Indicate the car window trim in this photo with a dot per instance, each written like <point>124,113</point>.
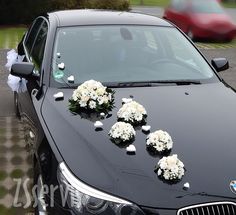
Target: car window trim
<point>27,55</point>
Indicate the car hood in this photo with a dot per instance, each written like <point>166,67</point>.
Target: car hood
<point>201,120</point>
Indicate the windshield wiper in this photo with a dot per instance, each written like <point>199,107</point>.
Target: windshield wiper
<point>138,83</point>
<point>180,82</point>
<point>150,83</point>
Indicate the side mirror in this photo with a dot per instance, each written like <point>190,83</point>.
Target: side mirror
<point>22,70</point>
<point>220,64</point>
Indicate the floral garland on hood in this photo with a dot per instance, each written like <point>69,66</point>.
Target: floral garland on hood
<point>170,168</point>
<point>132,112</point>
<point>159,141</point>
<point>122,132</point>
<point>92,96</point>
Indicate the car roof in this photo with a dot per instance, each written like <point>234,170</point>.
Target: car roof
<point>104,17</point>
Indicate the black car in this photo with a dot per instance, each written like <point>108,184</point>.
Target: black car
<point>145,59</point>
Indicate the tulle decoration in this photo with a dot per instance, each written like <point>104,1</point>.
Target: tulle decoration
<point>15,83</point>
<point>11,59</point>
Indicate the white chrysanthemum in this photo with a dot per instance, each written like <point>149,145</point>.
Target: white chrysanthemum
<point>122,131</point>
<point>92,93</point>
<point>160,141</point>
<point>132,112</point>
<point>171,168</point>
<point>92,104</point>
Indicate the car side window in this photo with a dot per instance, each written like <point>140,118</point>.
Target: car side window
<point>39,46</point>
<point>32,33</point>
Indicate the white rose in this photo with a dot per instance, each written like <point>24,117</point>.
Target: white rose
<point>92,104</point>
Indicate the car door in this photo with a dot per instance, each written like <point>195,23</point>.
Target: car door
<point>34,46</point>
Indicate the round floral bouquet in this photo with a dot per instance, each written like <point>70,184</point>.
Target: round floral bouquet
<point>132,112</point>
<point>170,168</point>
<point>159,141</point>
<point>92,96</point>
<point>122,132</point>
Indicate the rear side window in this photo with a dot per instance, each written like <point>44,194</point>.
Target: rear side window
<point>39,45</point>
<point>32,34</point>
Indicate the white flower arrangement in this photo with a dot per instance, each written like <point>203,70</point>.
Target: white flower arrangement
<point>92,96</point>
<point>159,141</point>
<point>122,132</point>
<point>170,168</point>
<point>132,112</point>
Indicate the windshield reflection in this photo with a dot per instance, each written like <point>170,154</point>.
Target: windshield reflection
<point>117,54</point>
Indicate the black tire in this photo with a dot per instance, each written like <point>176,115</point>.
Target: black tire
<point>39,210</point>
<point>16,105</point>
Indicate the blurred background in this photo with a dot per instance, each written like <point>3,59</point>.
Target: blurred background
<point>210,23</point>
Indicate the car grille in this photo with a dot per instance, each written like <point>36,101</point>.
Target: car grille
<point>218,208</point>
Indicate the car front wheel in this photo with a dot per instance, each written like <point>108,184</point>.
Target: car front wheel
<point>16,105</point>
<point>40,208</point>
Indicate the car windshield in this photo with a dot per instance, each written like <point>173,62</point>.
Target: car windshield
<point>118,54</point>
<point>211,6</point>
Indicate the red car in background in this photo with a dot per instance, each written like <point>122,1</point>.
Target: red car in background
<point>201,19</point>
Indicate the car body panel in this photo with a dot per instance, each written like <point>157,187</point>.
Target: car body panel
<point>196,132</point>
<point>93,17</point>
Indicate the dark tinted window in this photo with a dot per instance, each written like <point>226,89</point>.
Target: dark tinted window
<point>39,45</point>
<point>126,53</point>
<point>32,34</point>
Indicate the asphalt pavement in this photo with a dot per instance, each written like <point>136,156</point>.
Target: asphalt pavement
<point>6,95</point>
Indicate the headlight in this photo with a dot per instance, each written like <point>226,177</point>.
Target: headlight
<point>83,199</point>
